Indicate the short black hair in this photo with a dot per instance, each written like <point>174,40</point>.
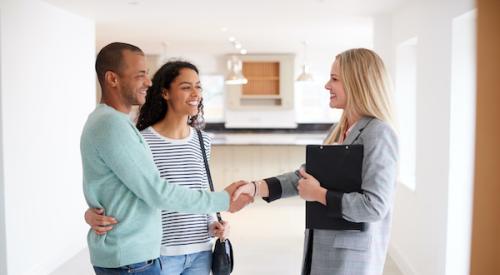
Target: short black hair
<point>110,58</point>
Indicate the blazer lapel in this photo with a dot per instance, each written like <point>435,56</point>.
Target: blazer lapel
<point>355,131</point>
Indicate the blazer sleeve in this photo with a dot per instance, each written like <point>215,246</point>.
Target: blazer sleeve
<point>380,165</point>
<point>283,186</point>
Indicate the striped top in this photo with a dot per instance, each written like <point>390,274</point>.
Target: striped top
<point>180,161</point>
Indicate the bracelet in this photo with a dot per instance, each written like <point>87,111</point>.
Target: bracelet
<point>254,188</point>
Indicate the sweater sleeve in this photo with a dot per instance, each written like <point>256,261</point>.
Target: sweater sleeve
<point>125,152</point>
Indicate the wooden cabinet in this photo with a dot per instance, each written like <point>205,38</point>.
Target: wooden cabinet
<point>270,83</point>
<point>263,78</point>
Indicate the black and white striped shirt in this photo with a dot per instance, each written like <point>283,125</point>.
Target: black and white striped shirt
<point>180,161</point>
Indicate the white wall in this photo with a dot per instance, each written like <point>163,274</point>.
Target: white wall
<point>420,217</point>
<point>3,254</point>
<point>382,39</point>
<point>47,90</point>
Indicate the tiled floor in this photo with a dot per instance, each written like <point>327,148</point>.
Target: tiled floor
<point>267,239</point>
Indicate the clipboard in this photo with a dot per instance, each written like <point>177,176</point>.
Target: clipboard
<point>337,168</point>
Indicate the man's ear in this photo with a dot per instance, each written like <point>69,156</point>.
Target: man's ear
<point>111,79</point>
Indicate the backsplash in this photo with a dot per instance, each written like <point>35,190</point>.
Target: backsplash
<point>301,128</point>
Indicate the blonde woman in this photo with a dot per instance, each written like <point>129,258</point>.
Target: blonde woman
<point>359,85</point>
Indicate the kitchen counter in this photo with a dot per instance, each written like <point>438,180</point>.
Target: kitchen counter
<point>305,133</point>
<point>266,138</point>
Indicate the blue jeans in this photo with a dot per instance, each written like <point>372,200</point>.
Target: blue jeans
<point>152,267</point>
<point>189,264</point>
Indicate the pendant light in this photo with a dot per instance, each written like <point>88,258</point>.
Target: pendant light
<point>235,66</point>
<point>305,75</point>
<point>235,76</point>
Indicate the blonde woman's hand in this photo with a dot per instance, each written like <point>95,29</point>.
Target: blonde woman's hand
<point>310,189</point>
<point>236,205</point>
<point>246,188</point>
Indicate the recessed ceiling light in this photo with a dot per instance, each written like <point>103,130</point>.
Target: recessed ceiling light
<point>237,45</point>
<point>231,39</point>
<point>223,29</point>
<point>243,51</point>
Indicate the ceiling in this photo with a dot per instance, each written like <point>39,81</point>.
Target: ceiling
<point>260,25</point>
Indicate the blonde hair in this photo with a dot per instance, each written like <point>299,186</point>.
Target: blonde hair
<point>367,88</point>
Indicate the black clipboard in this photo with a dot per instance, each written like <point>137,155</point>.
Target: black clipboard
<point>337,168</point>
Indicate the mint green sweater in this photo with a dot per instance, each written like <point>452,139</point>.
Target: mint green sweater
<point>120,176</point>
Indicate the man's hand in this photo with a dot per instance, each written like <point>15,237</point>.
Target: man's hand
<point>241,201</point>
<point>246,188</point>
<point>99,223</point>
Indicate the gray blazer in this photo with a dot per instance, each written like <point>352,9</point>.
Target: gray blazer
<point>354,252</point>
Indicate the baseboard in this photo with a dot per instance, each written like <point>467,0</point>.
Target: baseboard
<point>401,260</point>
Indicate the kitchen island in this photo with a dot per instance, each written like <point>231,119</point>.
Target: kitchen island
<point>259,153</point>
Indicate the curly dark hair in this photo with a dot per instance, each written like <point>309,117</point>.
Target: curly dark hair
<point>155,108</point>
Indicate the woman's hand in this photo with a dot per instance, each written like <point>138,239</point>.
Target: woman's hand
<point>220,229</point>
<point>99,223</point>
<point>253,189</point>
<point>246,188</point>
<point>310,189</point>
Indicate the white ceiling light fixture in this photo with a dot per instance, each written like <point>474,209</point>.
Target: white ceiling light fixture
<point>235,76</point>
<point>305,75</point>
<point>235,65</point>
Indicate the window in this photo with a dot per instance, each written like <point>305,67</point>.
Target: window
<point>462,129</point>
<point>312,103</point>
<point>405,99</point>
<point>213,97</point>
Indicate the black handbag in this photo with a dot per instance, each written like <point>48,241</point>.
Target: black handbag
<point>222,256</point>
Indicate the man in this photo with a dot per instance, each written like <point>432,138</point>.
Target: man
<point>120,176</point>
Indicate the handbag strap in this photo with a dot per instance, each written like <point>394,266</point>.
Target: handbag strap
<point>207,168</point>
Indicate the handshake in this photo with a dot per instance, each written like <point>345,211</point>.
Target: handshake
<point>241,193</point>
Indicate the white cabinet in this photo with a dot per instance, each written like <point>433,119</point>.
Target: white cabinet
<point>267,100</point>
<point>270,83</point>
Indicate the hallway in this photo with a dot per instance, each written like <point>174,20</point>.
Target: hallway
<point>267,239</point>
